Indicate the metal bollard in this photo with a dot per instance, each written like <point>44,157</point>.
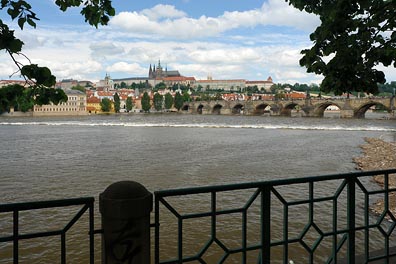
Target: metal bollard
<point>125,207</point>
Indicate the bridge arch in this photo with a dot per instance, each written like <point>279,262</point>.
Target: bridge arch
<point>238,109</point>
<point>200,109</point>
<point>185,107</point>
<point>262,109</point>
<point>320,109</point>
<point>216,110</point>
<point>361,110</point>
<point>289,108</point>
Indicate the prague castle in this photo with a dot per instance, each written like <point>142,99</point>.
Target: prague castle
<point>159,73</point>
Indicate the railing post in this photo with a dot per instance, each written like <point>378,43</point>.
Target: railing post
<point>266,225</point>
<point>16,234</point>
<point>125,207</point>
<point>351,219</point>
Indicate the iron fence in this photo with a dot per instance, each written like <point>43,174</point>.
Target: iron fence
<point>344,224</point>
<point>16,208</point>
<point>323,219</point>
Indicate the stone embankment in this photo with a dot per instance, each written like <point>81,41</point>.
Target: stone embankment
<point>379,155</point>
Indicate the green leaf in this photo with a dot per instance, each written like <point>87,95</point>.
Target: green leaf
<point>31,23</point>
<point>15,45</point>
<point>21,22</point>
<point>111,12</point>
<point>13,13</point>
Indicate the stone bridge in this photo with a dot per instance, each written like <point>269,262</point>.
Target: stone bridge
<point>311,107</point>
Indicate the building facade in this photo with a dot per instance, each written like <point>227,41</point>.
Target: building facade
<point>225,85</point>
<point>76,105</point>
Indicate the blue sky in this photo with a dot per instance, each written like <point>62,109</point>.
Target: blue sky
<point>227,39</point>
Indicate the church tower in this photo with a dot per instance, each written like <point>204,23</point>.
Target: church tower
<point>159,70</point>
<point>150,75</point>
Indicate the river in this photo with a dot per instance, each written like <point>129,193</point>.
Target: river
<point>69,157</point>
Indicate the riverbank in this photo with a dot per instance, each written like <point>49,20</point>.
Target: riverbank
<point>379,154</point>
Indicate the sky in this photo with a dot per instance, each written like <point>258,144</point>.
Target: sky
<point>224,39</point>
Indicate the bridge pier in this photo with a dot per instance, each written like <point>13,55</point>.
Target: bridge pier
<point>309,111</point>
<point>347,111</point>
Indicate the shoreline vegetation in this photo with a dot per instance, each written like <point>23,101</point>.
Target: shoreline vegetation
<point>377,155</point>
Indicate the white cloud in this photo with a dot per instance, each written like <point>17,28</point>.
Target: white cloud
<point>130,68</point>
<point>233,45</point>
<point>178,25</point>
<point>76,70</point>
<point>105,48</point>
<point>162,11</point>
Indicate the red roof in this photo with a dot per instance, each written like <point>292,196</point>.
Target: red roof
<point>93,100</point>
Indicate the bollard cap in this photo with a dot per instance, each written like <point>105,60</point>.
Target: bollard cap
<point>125,200</point>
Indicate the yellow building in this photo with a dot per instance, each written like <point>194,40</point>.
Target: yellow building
<point>93,105</point>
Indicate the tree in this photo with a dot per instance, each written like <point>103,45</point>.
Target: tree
<point>275,87</point>
<point>146,102</point>
<point>186,97</point>
<point>25,101</point>
<point>9,96</point>
<point>40,78</point>
<point>117,103</point>
<point>168,101</point>
<point>178,101</point>
<point>123,85</point>
<point>353,38</point>
<point>160,86</point>
<point>79,88</point>
<point>105,105</point>
<point>158,100</point>
<point>129,104</point>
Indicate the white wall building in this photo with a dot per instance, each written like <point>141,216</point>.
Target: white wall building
<point>75,105</point>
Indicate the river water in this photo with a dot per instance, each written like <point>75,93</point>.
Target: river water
<point>57,158</point>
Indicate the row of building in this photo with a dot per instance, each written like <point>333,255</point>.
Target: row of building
<point>157,74</point>
<point>81,104</point>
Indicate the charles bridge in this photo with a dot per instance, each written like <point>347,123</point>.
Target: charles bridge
<point>310,107</point>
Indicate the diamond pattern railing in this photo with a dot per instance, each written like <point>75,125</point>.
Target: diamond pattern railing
<point>84,205</point>
<point>324,219</point>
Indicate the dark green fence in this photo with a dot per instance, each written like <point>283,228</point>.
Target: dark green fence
<point>16,208</point>
<point>323,219</point>
<point>337,224</point>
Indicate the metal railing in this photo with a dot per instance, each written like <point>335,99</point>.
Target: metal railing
<point>344,224</point>
<point>323,219</point>
<point>16,208</point>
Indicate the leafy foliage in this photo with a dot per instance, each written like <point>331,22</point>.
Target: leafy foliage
<point>105,105</point>
<point>146,102</point>
<point>79,88</point>
<point>354,37</point>
<point>178,101</point>
<point>117,103</point>
<point>186,96</point>
<point>95,12</point>
<point>158,99</point>
<point>168,101</point>
<point>160,86</point>
<point>23,99</point>
<point>44,95</point>
<point>9,96</point>
<point>129,104</point>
